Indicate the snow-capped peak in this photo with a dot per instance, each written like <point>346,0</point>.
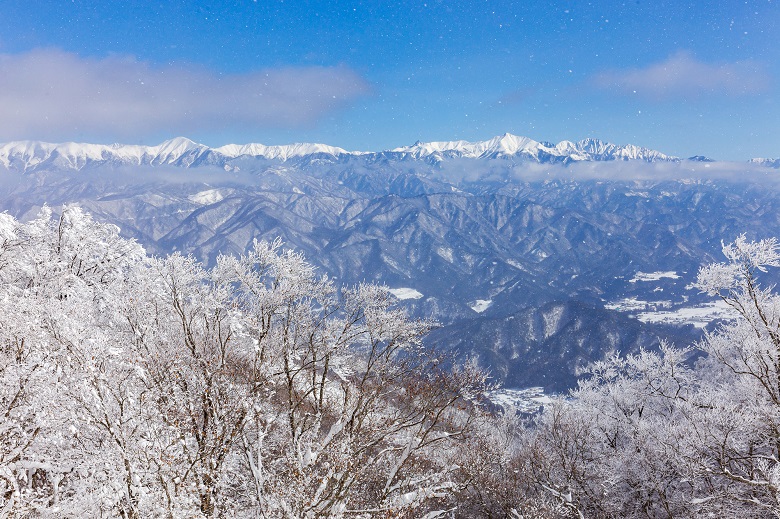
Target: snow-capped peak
<point>506,144</point>
<point>278,152</point>
<point>178,145</point>
<point>180,151</point>
<point>772,163</point>
<point>509,145</point>
<point>183,152</point>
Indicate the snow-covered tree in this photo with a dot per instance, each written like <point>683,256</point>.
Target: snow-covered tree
<point>651,435</point>
<point>136,386</point>
<point>53,272</point>
<point>742,370</point>
<point>133,386</point>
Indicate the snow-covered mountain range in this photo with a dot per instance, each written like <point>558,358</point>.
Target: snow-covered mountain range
<point>537,271</point>
<point>772,163</point>
<point>509,145</point>
<point>32,155</point>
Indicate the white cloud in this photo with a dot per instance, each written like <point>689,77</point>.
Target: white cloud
<point>470,170</point>
<point>51,94</point>
<point>682,76</point>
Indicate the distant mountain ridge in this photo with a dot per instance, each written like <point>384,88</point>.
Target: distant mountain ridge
<point>27,156</point>
<point>32,155</point>
<point>771,163</point>
<point>533,270</point>
<point>509,145</point>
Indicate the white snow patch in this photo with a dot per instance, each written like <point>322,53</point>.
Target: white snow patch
<point>278,152</point>
<point>480,305</point>
<point>405,293</point>
<point>551,321</point>
<point>515,264</point>
<point>527,400</point>
<point>445,253</point>
<point>699,316</point>
<point>210,196</point>
<point>633,304</point>
<point>628,304</point>
<point>653,276</point>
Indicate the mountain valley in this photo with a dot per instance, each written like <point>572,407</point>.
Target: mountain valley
<point>528,254</point>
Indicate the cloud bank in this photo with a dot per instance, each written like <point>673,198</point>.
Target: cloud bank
<point>682,76</point>
<point>51,94</point>
<point>499,171</point>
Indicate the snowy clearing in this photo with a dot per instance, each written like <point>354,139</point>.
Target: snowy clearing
<point>628,304</point>
<point>527,400</point>
<point>480,305</point>
<point>654,276</point>
<point>405,293</point>
<point>699,316</point>
<point>211,196</point>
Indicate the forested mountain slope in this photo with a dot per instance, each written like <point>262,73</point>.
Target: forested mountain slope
<point>480,236</point>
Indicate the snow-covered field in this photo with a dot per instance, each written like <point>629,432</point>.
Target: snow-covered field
<point>699,316</point>
<point>210,196</point>
<point>633,304</point>
<point>480,305</point>
<point>653,276</point>
<point>527,400</point>
<point>666,311</point>
<point>405,293</point>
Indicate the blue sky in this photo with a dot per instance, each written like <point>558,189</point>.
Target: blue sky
<point>682,77</point>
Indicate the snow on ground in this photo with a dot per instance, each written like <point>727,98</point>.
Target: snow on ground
<point>480,305</point>
<point>516,264</point>
<point>699,316</point>
<point>653,276</point>
<point>527,400</point>
<point>405,293</point>
<point>445,253</point>
<point>650,311</point>
<point>628,304</point>
<point>211,196</point>
<point>668,312</point>
<point>552,320</point>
